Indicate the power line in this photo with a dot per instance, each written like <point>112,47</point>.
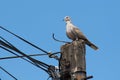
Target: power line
<point>20,52</point>
<point>8,73</point>
<point>24,40</point>
<point>9,45</point>
<point>35,64</point>
<point>11,57</point>
<point>47,68</point>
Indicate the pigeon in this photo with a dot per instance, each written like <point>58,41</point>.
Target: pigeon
<point>74,33</point>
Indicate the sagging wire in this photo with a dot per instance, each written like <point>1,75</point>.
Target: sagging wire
<point>24,40</point>
<point>12,57</point>
<point>6,45</point>
<point>51,70</point>
<point>47,68</point>
<point>53,36</point>
<point>18,51</point>
<point>6,41</point>
<point>29,42</point>
<point>22,58</point>
<point>10,46</point>
<point>8,73</point>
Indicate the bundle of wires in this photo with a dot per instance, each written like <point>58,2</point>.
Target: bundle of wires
<point>4,44</point>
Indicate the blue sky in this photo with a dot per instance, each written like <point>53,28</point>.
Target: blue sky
<point>36,20</point>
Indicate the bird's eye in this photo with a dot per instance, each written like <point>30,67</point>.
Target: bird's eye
<point>67,17</point>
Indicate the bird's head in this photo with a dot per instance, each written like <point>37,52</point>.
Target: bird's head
<point>67,18</point>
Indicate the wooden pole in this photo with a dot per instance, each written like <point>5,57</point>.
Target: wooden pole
<point>72,61</point>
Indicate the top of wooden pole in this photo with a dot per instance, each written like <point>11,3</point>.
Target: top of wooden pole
<point>73,59</point>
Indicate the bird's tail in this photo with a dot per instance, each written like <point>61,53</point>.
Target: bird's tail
<point>92,45</point>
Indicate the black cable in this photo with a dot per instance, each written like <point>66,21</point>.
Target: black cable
<point>10,45</point>
<point>11,57</point>
<point>14,53</point>
<point>53,36</point>
<point>6,41</point>
<point>49,67</point>
<point>32,59</point>
<point>51,54</point>
<point>48,78</point>
<point>24,40</point>
<point>35,62</point>
<point>18,51</point>
<point>5,44</point>
<point>55,53</point>
<point>8,73</point>
<point>25,59</point>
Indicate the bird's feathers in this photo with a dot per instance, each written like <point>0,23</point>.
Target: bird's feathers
<point>80,35</point>
<point>91,45</point>
<point>74,33</point>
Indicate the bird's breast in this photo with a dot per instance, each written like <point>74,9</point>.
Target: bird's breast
<point>68,28</point>
<point>69,32</point>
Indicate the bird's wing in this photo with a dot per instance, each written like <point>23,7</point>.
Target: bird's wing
<point>81,36</point>
<point>70,35</point>
<point>78,33</point>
